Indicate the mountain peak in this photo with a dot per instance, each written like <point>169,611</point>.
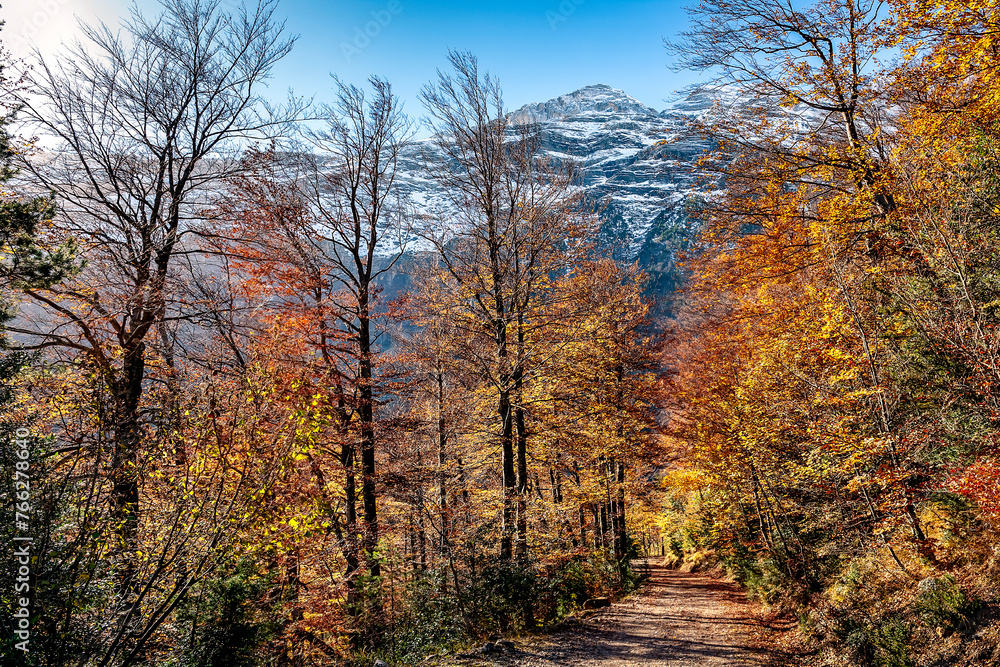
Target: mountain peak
<point>598,99</point>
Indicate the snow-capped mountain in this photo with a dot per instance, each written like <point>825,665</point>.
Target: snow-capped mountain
<point>597,99</point>
<point>635,164</point>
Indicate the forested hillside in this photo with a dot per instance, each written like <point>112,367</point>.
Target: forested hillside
<point>833,388</point>
<point>264,404</point>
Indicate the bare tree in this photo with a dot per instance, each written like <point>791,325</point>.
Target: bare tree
<point>510,228</point>
<point>146,121</point>
<point>357,205</point>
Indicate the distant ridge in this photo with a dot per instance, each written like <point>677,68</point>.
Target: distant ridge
<point>637,167</point>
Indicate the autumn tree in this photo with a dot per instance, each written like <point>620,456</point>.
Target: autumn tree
<point>590,403</point>
<point>820,61</point>
<point>588,400</point>
<point>360,207</point>
<point>511,227</point>
<point>809,190</point>
<point>832,398</point>
<point>146,122</point>
<point>439,399</point>
<point>310,237</point>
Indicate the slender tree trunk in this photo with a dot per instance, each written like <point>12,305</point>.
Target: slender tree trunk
<point>509,479</point>
<point>292,585</point>
<point>522,442</point>
<point>581,508</point>
<point>351,555</point>
<point>366,412</point>
<point>621,536</point>
<point>173,406</point>
<point>609,504</point>
<point>603,514</point>
<point>616,469</point>
<point>445,544</point>
<point>420,507</point>
<point>461,480</point>
<point>527,606</point>
<point>522,483</point>
<point>411,542</point>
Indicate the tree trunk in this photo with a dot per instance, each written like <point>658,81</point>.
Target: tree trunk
<point>621,536</point>
<point>366,412</point>
<point>603,518</point>
<point>445,544</point>
<point>522,478</point>
<point>351,531</point>
<point>124,473</point>
<point>421,510</point>
<point>509,480</point>
<point>522,439</point>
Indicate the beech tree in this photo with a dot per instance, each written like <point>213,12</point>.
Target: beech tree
<point>590,385</point>
<point>595,400</point>
<point>513,226</point>
<point>358,204</point>
<point>834,394</point>
<point>807,164</point>
<point>146,121</point>
<point>310,236</point>
<point>820,64</point>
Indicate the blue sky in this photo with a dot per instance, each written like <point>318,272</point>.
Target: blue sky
<point>539,49</point>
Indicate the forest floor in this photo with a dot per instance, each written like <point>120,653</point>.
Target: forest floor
<point>676,619</point>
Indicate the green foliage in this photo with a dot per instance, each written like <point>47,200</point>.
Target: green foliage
<point>881,643</point>
<point>572,585</point>
<point>430,620</point>
<point>498,594</point>
<point>567,585</point>
<point>942,604</point>
<point>762,577</point>
<point>367,609</point>
<point>431,616</point>
<point>24,260</point>
<point>226,621</point>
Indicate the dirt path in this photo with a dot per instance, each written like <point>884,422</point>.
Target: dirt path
<point>676,620</point>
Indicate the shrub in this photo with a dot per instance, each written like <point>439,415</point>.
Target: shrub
<point>882,642</point>
<point>942,604</point>
<point>228,628</point>
<point>431,620</point>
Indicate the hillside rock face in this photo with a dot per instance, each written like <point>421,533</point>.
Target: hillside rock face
<point>636,166</point>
